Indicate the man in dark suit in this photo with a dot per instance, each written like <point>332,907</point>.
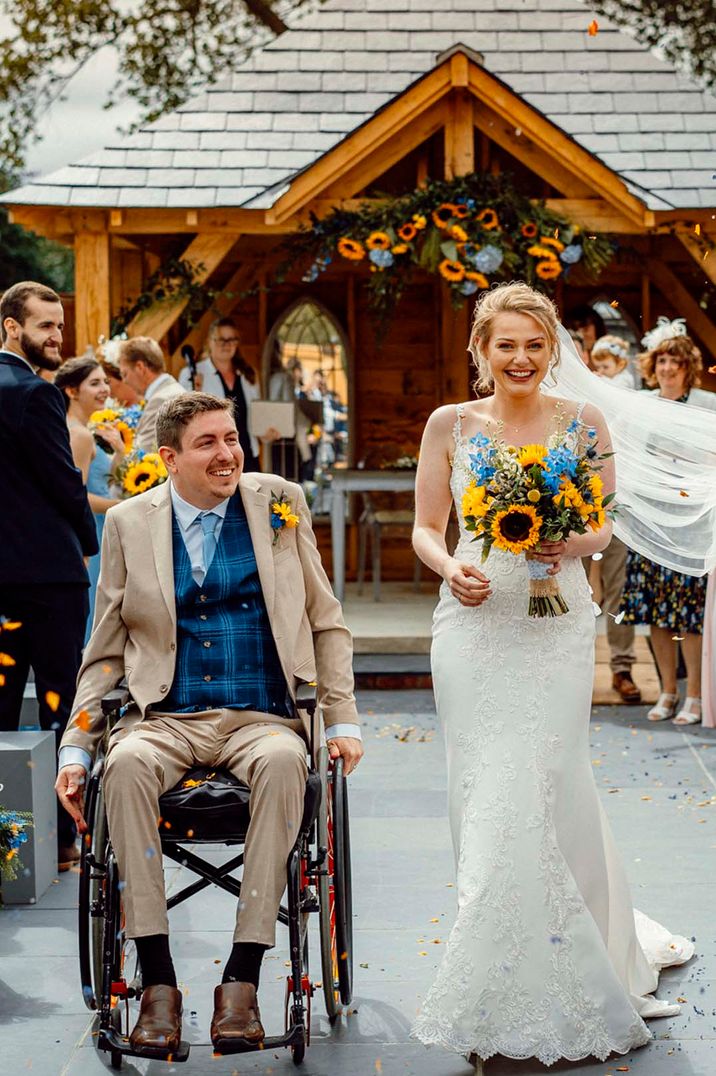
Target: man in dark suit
<point>46,526</point>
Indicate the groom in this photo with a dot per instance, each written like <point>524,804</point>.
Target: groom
<point>216,612</point>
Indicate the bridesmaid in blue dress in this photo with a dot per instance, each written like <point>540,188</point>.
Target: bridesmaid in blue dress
<point>85,387</point>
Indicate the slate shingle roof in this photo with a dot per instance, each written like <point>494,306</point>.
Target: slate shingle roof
<point>240,142</point>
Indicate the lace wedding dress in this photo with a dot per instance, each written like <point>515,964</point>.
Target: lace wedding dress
<point>547,957</point>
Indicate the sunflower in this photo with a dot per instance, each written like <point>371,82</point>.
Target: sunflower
<point>420,221</point>
<point>597,520</point>
<point>443,215</point>
<point>529,455</point>
<point>407,232</point>
<point>351,249</point>
<point>461,211</point>
<point>378,241</point>
<point>479,278</point>
<point>529,230</point>
<point>127,435</point>
<point>538,251</point>
<point>452,271</point>
<point>516,528</point>
<point>458,233</point>
<point>474,503</point>
<point>596,487</point>
<point>157,462</point>
<point>548,270</point>
<point>489,219</point>
<point>400,248</point>
<point>548,241</point>
<point>569,496</point>
<point>101,418</point>
<point>139,477</point>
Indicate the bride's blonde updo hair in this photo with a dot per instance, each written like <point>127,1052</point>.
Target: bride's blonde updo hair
<point>514,298</point>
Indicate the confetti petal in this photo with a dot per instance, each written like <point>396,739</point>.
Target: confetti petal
<point>593,30</point>
<point>683,493</point>
<point>53,700</point>
<point>83,721</point>
<point>5,659</point>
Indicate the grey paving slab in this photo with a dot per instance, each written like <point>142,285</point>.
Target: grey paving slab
<point>404,905</point>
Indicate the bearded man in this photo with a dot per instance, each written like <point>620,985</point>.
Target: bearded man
<point>46,526</point>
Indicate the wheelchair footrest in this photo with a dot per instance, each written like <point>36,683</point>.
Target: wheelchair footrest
<point>109,1039</point>
<point>292,1037</point>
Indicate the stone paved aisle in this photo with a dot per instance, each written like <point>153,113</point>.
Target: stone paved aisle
<point>659,790</point>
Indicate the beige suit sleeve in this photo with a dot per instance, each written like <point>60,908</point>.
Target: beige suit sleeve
<point>145,436</point>
<point>103,663</point>
<point>332,640</point>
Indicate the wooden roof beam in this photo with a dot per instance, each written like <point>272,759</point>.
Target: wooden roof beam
<point>222,306</point>
<point>702,253</point>
<point>205,252</point>
<point>680,297</point>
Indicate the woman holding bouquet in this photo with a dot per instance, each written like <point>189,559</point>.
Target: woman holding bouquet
<point>545,959</point>
<point>86,390</point>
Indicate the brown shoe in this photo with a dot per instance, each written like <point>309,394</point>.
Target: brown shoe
<point>625,686</point>
<point>236,1019</point>
<point>159,1023</point>
<point>67,858</point>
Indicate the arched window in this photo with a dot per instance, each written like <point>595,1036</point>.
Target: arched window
<point>308,348</point>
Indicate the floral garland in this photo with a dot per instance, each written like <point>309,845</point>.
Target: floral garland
<point>472,231</point>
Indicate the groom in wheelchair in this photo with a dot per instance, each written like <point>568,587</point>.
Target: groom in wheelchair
<point>214,605</point>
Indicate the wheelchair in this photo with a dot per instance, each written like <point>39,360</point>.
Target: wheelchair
<point>211,807</point>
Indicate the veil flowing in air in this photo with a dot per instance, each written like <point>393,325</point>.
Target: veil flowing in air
<point>665,457</point>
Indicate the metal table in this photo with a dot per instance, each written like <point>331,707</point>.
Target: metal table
<point>357,481</point>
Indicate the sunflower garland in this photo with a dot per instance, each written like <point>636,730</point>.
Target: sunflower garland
<point>471,231</point>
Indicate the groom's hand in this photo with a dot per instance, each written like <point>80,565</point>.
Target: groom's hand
<point>347,748</point>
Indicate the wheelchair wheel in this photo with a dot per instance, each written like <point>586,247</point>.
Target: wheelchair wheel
<point>342,882</point>
<point>335,913</point>
<point>92,895</point>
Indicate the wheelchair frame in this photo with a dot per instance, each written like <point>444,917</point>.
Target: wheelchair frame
<point>318,880</point>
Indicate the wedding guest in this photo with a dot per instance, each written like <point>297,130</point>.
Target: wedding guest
<point>589,324</point>
<point>141,363</point>
<point>610,358</point>
<point>85,388</point>
<point>291,456</point>
<point>226,374</point>
<point>119,391</point>
<point>671,603</point>
<point>46,526</point>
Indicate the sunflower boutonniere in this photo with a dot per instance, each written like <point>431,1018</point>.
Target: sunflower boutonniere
<point>282,515</point>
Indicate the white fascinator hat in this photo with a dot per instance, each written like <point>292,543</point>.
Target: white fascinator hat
<point>662,331</point>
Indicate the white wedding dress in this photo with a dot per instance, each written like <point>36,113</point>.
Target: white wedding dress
<point>547,957</point>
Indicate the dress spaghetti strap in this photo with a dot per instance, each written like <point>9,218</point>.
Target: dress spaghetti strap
<point>457,428</point>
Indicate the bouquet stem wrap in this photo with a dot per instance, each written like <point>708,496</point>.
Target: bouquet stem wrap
<point>545,596</point>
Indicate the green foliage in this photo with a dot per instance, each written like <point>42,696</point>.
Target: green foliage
<point>472,231</point>
<point>168,50</point>
<point>685,30</point>
<point>26,256</point>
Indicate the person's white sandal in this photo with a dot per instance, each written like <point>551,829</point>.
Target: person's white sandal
<point>665,707</point>
<point>690,712</point>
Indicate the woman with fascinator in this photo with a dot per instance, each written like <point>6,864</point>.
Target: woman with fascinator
<point>547,957</point>
<point>671,603</point>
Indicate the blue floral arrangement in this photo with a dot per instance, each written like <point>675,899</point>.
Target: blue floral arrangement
<point>13,834</point>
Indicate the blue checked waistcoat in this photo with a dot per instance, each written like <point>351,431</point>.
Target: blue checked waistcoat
<point>226,654</point>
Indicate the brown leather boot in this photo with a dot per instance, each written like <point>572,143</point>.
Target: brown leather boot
<point>159,1023</point>
<point>236,1016</point>
<point>625,686</point>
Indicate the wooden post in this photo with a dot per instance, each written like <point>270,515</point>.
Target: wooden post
<point>455,332</point>
<point>459,136</point>
<point>645,303</point>
<point>92,288</point>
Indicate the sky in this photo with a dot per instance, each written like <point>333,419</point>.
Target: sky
<point>78,125</point>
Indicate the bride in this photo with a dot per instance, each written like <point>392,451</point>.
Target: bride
<point>547,957</point>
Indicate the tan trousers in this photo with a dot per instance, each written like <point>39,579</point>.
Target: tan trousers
<point>619,636</point>
<point>150,758</point>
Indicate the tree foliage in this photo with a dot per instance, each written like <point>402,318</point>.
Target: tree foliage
<point>167,49</point>
<point>685,30</point>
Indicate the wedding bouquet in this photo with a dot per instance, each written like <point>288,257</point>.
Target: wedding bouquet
<point>519,497</point>
<point>139,471</point>
<point>12,835</point>
<point>125,419</point>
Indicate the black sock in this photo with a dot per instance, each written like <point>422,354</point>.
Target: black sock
<point>155,960</point>
<point>244,963</point>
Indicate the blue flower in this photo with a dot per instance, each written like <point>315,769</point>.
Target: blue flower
<point>482,462</point>
<point>571,254</point>
<point>559,463</point>
<point>382,258</point>
<point>489,259</point>
<point>276,521</point>
<point>310,275</point>
<point>468,287</point>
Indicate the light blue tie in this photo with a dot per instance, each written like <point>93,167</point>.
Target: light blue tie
<point>208,521</point>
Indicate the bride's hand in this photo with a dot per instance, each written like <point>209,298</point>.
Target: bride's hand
<point>466,583</point>
<point>550,553</point>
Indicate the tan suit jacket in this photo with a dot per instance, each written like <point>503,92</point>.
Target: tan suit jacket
<point>135,623</point>
<point>145,435</point>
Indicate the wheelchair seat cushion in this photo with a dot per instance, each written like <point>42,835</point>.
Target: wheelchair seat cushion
<point>206,805</point>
